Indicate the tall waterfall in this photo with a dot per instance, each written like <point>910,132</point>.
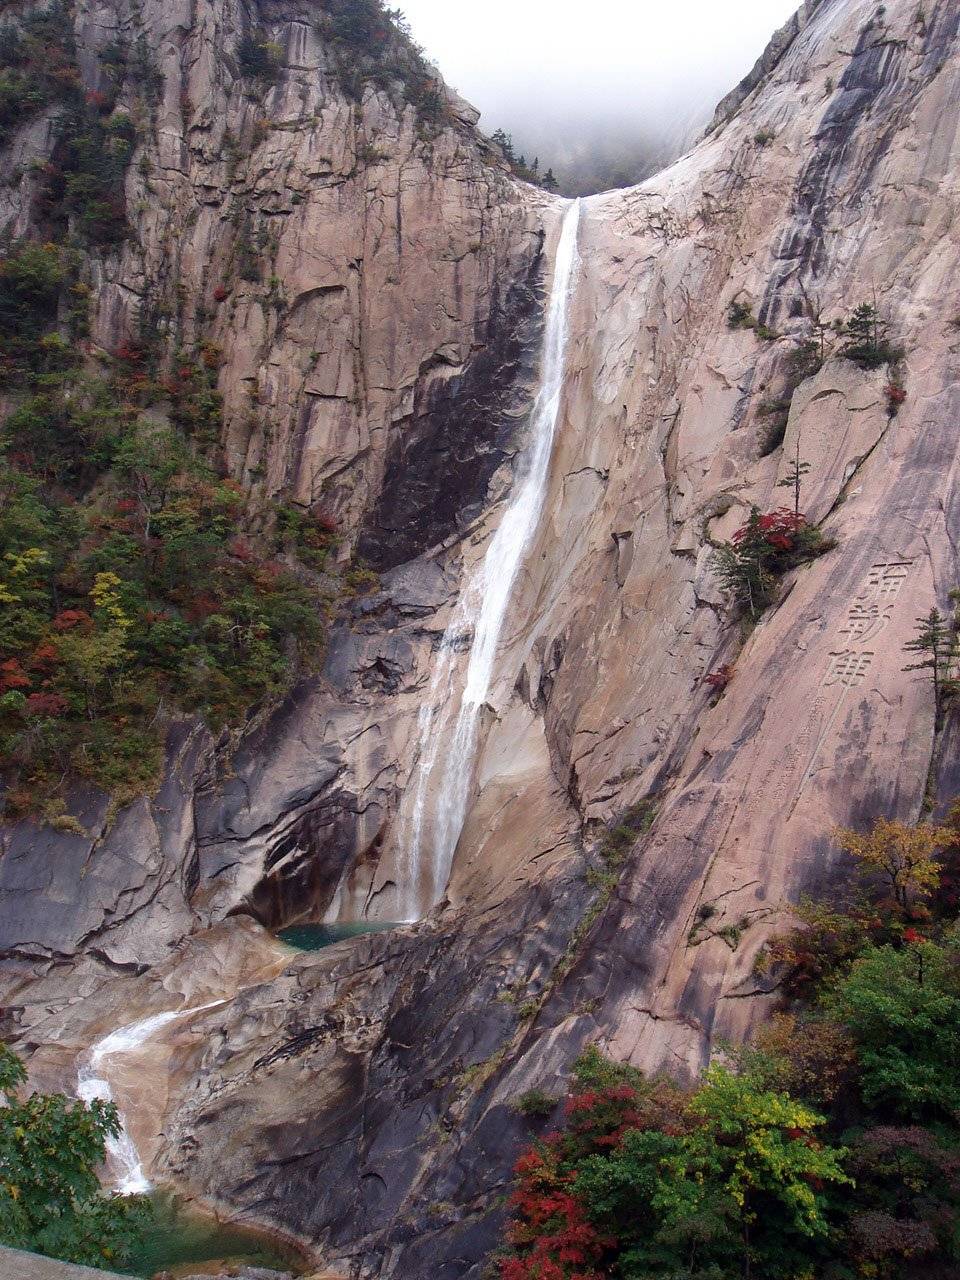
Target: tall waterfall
<point>449,722</point>
<point>93,1084</point>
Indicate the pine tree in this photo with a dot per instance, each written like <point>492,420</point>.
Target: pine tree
<point>935,643</point>
<point>741,567</point>
<point>549,181</point>
<point>867,339</point>
<point>794,479</point>
<point>505,142</point>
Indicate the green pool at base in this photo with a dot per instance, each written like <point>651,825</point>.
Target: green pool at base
<point>314,937</point>
<point>182,1237</point>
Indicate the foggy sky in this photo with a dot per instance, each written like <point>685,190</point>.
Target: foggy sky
<point>558,73</point>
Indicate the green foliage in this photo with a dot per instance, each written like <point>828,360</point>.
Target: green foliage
<point>37,283</point>
<point>830,1152</point>
<point>937,647</point>
<point>794,479</point>
<point>518,163</point>
<point>743,1190</point>
<point>258,57</point>
<point>37,64</point>
<point>902,1007</point>
<point>731,1179</point>
<point>83,181</point>
<point>50,1197</point>
<point>867,339</point>
<point>740,316</point>
<point>535,1103</point>
<point>622,835</point>
<point>593,1070</point>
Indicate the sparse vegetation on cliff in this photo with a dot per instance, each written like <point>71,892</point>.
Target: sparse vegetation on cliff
<point>762,550</point>
<point>258,56</point>
<point>866,339</point>
<point>372,45</point>
<point>740,316</point>
<point>518,163</point>
<point>81,186</point>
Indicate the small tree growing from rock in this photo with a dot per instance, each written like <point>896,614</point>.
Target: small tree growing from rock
<point>767,546</point>
<point>794,479</point>
<point>867,337</point>
<point>935,644</point>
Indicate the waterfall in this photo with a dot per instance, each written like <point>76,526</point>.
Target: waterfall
<point>449,724</point>
<point>92,1084</point>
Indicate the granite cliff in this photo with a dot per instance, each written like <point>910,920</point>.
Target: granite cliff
<point>359,1098</point>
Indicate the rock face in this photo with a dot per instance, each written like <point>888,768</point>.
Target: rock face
<point>360,1097</point>
<point>30,1266</point>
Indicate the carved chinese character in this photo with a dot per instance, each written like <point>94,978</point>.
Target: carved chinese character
<point>864,621</point>
<point>885,580</point>
<point>848,668</point>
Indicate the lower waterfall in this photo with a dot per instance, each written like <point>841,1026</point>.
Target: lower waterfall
<point>449,721</point>
<point>92,1084</point>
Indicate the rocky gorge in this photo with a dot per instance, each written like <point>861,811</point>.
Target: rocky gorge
<point>384,363</point>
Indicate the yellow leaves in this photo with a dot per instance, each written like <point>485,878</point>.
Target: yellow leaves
<point>20,563</point>
<point>17,567</point>
<point>904,856</point>
<point>106,597</point>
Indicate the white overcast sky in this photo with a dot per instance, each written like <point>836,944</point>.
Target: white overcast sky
<point>594,60</point>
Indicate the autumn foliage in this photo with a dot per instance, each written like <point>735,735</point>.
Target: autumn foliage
<point>830,1147</point>
<point>768,545</point>
<point>130,588</point>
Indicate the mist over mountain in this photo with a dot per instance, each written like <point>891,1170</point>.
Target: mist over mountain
<point>603,98</point>
<point>590,156</point>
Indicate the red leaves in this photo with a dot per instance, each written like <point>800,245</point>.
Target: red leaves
<point>200,607</point>
<point>558,1241</point>
<point>911,935</point>
<point>896,394</point>
<point>326,522</point>
<point>130,353</point>
<point>12,676</point>
<point>720,678</point>
<point>777,528</point>
<point>67,619</point>
<point>42,658</point>
<point>551,1233</point>
<point>46,704</point>
<point>241,549</point>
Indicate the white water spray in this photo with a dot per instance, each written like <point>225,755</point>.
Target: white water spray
<point>92,1084</point>
<point>446,756</point>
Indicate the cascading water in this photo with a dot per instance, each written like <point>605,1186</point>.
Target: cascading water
<point>91,1084</point>
<point>447,754</point>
